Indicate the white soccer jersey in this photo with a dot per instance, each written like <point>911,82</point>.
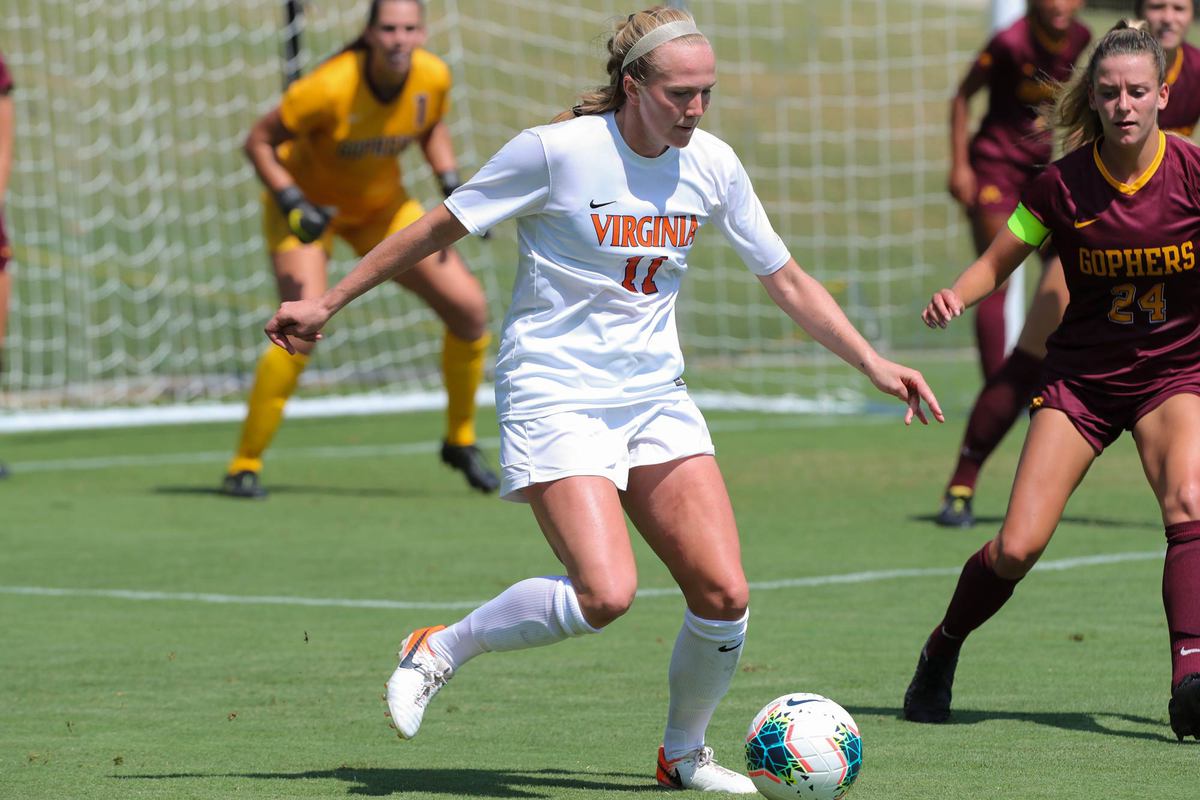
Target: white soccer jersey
<point>602,237</point>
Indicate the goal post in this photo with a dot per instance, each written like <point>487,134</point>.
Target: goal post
<point>141,284</point>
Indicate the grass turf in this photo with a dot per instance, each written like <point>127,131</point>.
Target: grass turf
<point>1063,695</point>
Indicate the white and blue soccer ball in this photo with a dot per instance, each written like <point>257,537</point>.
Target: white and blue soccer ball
<point>803,746</point>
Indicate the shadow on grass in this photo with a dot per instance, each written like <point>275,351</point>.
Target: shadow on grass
<point>985,521</point>
<point>295,490</point>
<point>465,782</point>
<point>1082,721</point>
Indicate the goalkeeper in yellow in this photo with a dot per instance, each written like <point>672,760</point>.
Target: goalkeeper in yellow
<point>328,156</point>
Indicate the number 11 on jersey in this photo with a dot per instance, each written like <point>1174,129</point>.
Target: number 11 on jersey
<point>631,266</point>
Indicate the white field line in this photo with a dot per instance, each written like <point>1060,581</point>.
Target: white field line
<point>399,449</point>
<point>337,602</point>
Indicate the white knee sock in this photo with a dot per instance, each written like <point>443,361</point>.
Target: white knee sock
<point>702,665</point>
<point>531,613</point>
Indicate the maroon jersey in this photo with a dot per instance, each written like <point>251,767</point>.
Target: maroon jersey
<point>1021,66</point>
<point>6,83</point>
<point>1129,254</point>
<point>1183,104</point>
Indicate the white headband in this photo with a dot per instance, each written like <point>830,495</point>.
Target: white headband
<point>660,35</point>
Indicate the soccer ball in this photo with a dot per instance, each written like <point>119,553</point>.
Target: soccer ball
<point>803,746</point>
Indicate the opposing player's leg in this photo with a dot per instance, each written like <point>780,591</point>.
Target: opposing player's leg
<point>1003,396</point>
<point>447,286</point>
<point>1168,440</point>
<point>986,222</point>
<point>1055,458</point>
<point>582,520</point>
<point>300,274</point>
<point>683,511</point>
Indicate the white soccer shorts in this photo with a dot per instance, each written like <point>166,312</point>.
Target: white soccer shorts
<point>607,442</point>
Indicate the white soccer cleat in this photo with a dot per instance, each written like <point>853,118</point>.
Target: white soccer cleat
<point>697,770</point>
<point>420,675</point>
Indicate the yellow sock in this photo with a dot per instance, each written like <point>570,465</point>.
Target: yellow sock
<point>274,382</point>
<point>462,372</point>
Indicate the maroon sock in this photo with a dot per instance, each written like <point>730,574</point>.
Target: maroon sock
<point>980,594</point>
<point>996,409</point>
<point>1181,598</point>
<point>989,332</point>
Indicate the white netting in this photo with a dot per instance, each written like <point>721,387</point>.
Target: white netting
<point>140,278</point>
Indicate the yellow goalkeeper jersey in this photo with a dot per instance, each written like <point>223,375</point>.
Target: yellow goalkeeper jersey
<point>348,141</point>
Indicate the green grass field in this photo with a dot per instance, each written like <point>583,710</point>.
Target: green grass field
<point>1063,695</point>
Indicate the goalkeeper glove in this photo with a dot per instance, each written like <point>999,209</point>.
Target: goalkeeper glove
<point>450,181</point>
<point>305,220</point>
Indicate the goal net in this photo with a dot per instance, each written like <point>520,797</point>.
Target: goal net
<point>140,280</point>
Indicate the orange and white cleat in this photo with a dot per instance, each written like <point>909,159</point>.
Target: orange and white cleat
<point>420,675</point>
<point>697,770</point>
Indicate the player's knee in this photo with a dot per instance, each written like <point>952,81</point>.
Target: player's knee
<point>1014,559</point>
<point>603,606</point>
<point>1183,502</point>
<point>727,600</point>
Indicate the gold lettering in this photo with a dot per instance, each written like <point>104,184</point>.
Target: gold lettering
<point>1189,257</point>
<point>1152,254</point>
<point>1170,261</point>
<point>1133,263</point>
<point>1115,262</point>
<point>1085,261</point>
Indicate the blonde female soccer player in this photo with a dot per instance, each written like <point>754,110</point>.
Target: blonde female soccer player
<point>1007,392</point>
<point>595,418</point>
<point>328,158</point>
<point>1123,209</point>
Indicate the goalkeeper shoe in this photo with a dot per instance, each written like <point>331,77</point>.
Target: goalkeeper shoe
<point>420,675</point>
<point>697,770</point>
<point>1184,707</point>
<point>956,508</point>
<point>928,696</point>
<point>469,461</point>
<point>243,485</point>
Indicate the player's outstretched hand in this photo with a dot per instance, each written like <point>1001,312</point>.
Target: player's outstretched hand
<point>302,319</point>
<point>910,386</point>
<point>944,306</point>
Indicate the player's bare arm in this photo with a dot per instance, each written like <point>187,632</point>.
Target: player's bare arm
<point>961,182</point>
<point>439,151</point>
<point>984,276</point>
<point>809,304</point>
<point>267,133</point>
<point>399,252</point>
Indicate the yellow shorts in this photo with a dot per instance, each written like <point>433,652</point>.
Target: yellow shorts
<point>361,233</point>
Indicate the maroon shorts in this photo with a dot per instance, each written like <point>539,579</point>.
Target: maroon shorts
<point>1000,184</point>
<point>1100,415</point>
<point>5,248</point>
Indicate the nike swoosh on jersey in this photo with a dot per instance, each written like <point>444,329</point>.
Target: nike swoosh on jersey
<point>594,204</point>
<point>1187,651</point>
<point>1085,223</point>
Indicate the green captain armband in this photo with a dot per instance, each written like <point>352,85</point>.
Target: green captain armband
<point>1026,227</point>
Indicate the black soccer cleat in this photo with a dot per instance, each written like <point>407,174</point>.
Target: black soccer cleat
<point>1184,707</point>
<point>927,698</point>
<point>243,485</point>
<point>469,461</point>
<point>956,508</point>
